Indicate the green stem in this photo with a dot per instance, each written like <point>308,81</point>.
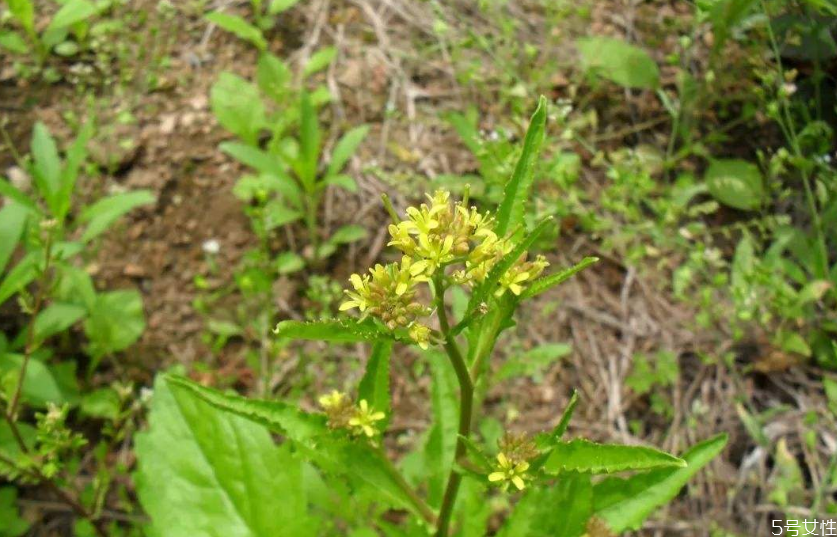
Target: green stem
<point>466,393</point>
<point>426,513</point>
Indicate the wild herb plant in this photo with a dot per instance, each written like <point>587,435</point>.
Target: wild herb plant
<point>54,234</point>
<point>444,245</point>
<point>264,17</point>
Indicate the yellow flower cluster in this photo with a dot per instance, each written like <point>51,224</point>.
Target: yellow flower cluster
<point>434,235</point>
<point>516,450</point>
<point>342,414</point>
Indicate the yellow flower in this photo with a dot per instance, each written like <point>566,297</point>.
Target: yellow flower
<point>509,472</point>
<point>337,408</point>
<point>363,422</point>
<point>332,400</point>
<point>360,297</point>
<point>420,334</point>
<point>520,273</point>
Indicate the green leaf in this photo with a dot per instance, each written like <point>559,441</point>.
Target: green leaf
<point>106,211</point>
<point>309,141</point>
<point>13,42</point>
<point>440,447</point>
<point>374,386</point>
<point>830,387</point>
<point>238,27</point>
<point>20,275</point>
<point>11,524</point>
<point>116,322</point>
<point>289,262</point>
<point>584,456</point>
<point>56,318</point>
<point>792,342</point>
<point>630,501</point>
<point>511,210</point>
<point>72,12</point>
<point>341,180</point>
<point>47,164</point>
<point>24,12</point>
<point>548,282</point>
<point>273,77</point>
<point>620,62</point>
<point>12,222</point>
<point>320,60</point>
<point>334,330</point>
<point>76,156</point>
<point>13,194</point>
<point>532,363</point>
<point>278,6</point>
<point>559,430</point>
<point>560,510</point>
<point>347,234</point>
<point>254,157</point>
<point>206,472</point>
<point>102,403</point>
<point>345,148</point>
<point>238,107</point>
<point>735,183</point>
<point>277,214</point>
<point>43,384</point>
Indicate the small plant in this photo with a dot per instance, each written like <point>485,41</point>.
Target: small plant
<point>264,19</point>
<point>445,245</point>
<point>54,234</point>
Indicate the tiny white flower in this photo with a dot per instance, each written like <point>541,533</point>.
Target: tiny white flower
<point>211,247</point>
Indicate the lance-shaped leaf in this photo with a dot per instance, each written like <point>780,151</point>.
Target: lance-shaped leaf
<point>550,281</point>
<point>584,456</point>
<point>511,210</point>
<point>345,148</point>
<point>374,387</point>
<point>336,331</point>
<point>625,503</point>
<point>485,290</point>
<point>12,222</point>
<point>238,27</point>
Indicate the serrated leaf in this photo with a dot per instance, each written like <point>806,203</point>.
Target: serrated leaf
<point>516,192</point>
<point>374,386</point>
<point>345,148</point>
<point>206,472</point>
<point>630,501</point>
<point>618,61</point>
<point>548,282</point>
<point>238,27</point>
<point>337,331</point>
<point>72,12</point>
<point>584,456</point>
<point>440,447</point>
<point>735,183</point>
<point>559,510</point>
<point>106,211</point>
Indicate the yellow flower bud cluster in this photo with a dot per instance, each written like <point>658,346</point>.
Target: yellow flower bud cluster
<point>359,419</point>
<point>513,461</point>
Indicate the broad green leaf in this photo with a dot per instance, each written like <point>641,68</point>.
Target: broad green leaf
<point>273,77</point>
<point>106,211</point>
<point>56,318</point>
<point>103,403</point>
<point>205,472</point>
<point>472,511</point>
<point>116,322</point>
<point>11,524</point>
<point>374,386</point>
<point>735,183</point>
<point>238,107</point>
<point>72,12</point>
<point>348,233</point>
<point>440,448</point>
<point>625,503</point>
<point>47,164</point>
<point>20,275</point>
<point>348,331</point>
<point>532,363</point>
<point>277,214</point>
<point>13,42</point>
<point>511,210</point>
<point>238,27</point>
<point>548,282</point>
<point>289,262</point>
<point>24,12</point>
<point>278,6</point>
<point>618,61</point>
<point>12,222</point>
<point>792,342</point>
<point>562,509</point>
<point>584,456</point>
<point>320,60</point>
<point>254,157</point>
<point>345,148</point>
<point>43,384</point>
<point>309,141</point>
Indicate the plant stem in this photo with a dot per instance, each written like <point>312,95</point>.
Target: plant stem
<point>426,513</point>
<point>466,395</point>
<point>30,330</point>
